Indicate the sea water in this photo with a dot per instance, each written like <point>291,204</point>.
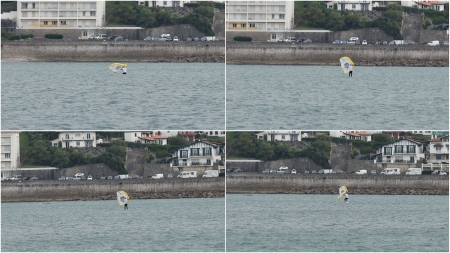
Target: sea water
<point>173,225</point>
<point>322,223</point>
<point>261,97</point>
<point>69,96</point>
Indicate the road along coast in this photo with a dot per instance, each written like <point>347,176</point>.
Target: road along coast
<point>329,54</point>
<point>108,51</point>
<point>49,190</point>
<point>252,183</point>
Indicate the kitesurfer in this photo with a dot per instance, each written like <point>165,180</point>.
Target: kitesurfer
<point>124,70</point>
<point>125,201</point>
<point>345,199</point>
<point>350,68</point>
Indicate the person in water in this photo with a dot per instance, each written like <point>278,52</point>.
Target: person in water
<point>346,197</point>
<point>350,73</point>
<point>124,70</point>
<point>125,201</point>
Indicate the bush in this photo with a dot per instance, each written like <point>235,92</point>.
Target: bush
<point>53,36</point>
<point>242,38</point>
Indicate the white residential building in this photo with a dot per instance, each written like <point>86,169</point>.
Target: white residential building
<point>162,3</point>
<point>284,135</point>
<point>60,14</point>
<point>431,5</point>
<point>10,153</point>
<point>401,151</point>
<point>438,150</point>
<point>259,15</point>
<point>150,137</point>
<point>351,5</point>
<point>214,133</point>
<point>358,135</point>
<point>199,153</point>
<point>76,139</point>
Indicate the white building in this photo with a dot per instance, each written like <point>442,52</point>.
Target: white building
<point>358,135</point>
<point>76,139</point>
<point>150,137</point>
<point>351,5</point>
<point>431,5</point>
<point>214,133</point>
<point>438,150</point>
<point>62,14</point>
<point>283,135</point>
<point>259,15</point>
<point>197,154</point>
<point>162,3</point>
<point>10,153</point>
<point>401,151</point>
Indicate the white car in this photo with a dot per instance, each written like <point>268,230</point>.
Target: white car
<point>364,42</point>
<point>175,38</point>
<point>293,171</point>
<point>89,177</point>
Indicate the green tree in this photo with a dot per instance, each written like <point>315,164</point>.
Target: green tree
<point>125,12</point>
<point>78,157</point>
<point>266,151</point>
<point>164,17</point>
<point>244,145</point>
<point>282,150</point>
<point>336,22</point>
<point>313,14</point>
<point>147,18</point>
<point>353,21</point>
<point>382,137</point>
<point>61,158</point>
<point>40,152</point>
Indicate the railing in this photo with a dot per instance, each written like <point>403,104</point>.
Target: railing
<point>394,161</point>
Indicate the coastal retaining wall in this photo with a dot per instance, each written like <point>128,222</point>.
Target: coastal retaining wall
<point>126,51</point>
<point>329,184</point>
<point>329,54</point>
<point>106,189</point>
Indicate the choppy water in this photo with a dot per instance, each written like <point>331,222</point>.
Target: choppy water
<point>172,225</point>
<point>68,96</point>
<point>323,98</point>
<point>280,223</point>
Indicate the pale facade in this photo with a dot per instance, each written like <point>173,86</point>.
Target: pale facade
<point>432,5</point>
<point>284,135</point>
<point>76,139</point>
<point>59,15</point>
<point>438,150</point>
<point>259,15</point>
<point>151,137</point>
<point>162,3</point>
<point>10,153</point>
<point>401,151</point>
<point>199,153</point>
<point>363,5</point>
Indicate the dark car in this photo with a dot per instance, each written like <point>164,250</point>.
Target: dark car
<point>83,178</point>
<point>282,40</point>
<point>34,178</point>
<point>307,41</point>
<point>118,38</point>
<point>169,38</point>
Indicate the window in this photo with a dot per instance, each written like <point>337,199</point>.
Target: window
<point>273,16</point>
<point>92,13</point>
<point>45,22</point>
<point>243,25</point>
<point>411,149</point>
<point>252,25</point>
<point>54,22</point>
<point>274,36</point>
<point>164,2</point>
<point>387,151</point>
<point>207,151</point>
<point>63,22</point>
<point>283,137</point>
<point>281,16</point>
<point>85,33</point>
<point>208,161</point>
<point>194,152</point>
<point>89,143</point>
<point>77,135</point>
<point>412,159</point>
<point>88,136</point>
<point>438,157</point>
<point>438,148</point>
<point>353,6</point>
<point>398,149</point>
<point>183,153</point>
<point>7,155</point>
<point>399,159</point>
<point>78,143</point>
<point>234,25</point>
<point>195,162</point>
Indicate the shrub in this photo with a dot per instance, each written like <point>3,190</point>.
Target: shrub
<point>242,38</point>
<point>53,36</point>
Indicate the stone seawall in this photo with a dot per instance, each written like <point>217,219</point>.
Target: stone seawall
<point>329,54</point>
<point>106,189</point>
<point>120,51</point>
<point>329,184</point>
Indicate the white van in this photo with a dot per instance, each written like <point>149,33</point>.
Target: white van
<point>361,172</point>
<point>414,171</point>
<point>123,176</point>
<point>391,171</point>
<point>158,176</point>
<point>211,173</point>
<point>283,170</point>
<point>188,174</point>
<point>434,43</point>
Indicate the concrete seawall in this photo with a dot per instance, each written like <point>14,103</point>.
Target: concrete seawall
<point>50,190</point>
<point>329,54</point>
<point>329,184</point>
<point>126,51</point>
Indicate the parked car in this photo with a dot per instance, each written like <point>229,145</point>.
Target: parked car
<point>445,43</point>
<point>438,172</point>
<point>189,39</point>
<point>117,177</point>
<point>110,177</point>
<point>364,42</point>
<point>34,178</point>
<point>155,38</point>
<point>169,38</point>
<point>148,38</point>
<point>377,43</point>
<point>102,178</point>
<point>62,178</point>
<point>196,39</point>
<point>306,171</point>
<point>101,37</point>
<point>266,171</point>
<point>433,43</point>
<point>290,39</point>
<point>237,170</point>
<point>385,42</point>
<point>89,177</point>
<point>313,172</point>
<point>282,40</point>
<point>69,178</point>
<point>320,172</point>
<point>273,171</point>
<point>337,42</point>
<point>230,170</point>
<point>374,172</point>
<point>118,38</point>
<point>343,42</point>
<point>392,42</point>
<point>92,37</point>
<point>307,41</point>
<point>175,38</point>
<point>293,171</point>
<point>203,38</point>
<point>170,175</point>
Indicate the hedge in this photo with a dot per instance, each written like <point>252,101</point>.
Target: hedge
<point>242,38</point>
<point>53,36</point>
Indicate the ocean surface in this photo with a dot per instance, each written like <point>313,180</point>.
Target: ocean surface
<point>322,223</point>
<point>261,97</point>
<point>76,96</point>
<point>174,225</point>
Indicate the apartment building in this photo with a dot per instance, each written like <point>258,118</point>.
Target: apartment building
<point>351,5</point>
<point>438,150</point>
<point>259,15</point>
<point>10,153</point>
<point>162,3</point>
<point>60,14</point>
